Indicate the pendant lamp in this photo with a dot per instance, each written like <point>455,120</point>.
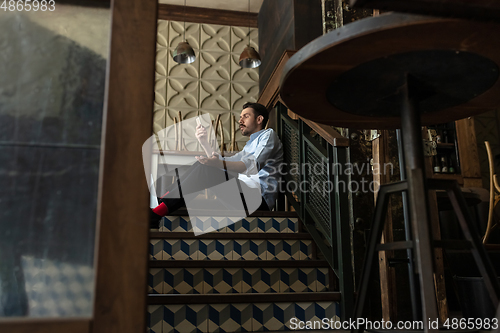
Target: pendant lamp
<point>249,58</point>
<point>184,53</point>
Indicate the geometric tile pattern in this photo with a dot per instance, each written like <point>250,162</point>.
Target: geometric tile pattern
<point>156,249</point>
<point>243,317</point>
<point>234,224</point>
<point>249,249</point>
<point>176,224</point>
<point>305,311</point>
<point>183,318</point>
<point>299,280</point>
<point>214,83</point>
<point>56,288</point>
<point>239,317</point>
<point>229,249</point>
<point>283,250</point>
<point>214,249</point>
<point>183,281</point>
<point>261,280</point>
<point>180,249</point>
<point>222,280</point>
<point>237,280</point>
<point>322,279</point>
<point>230,318</point>
<point>155,318</point>
<point>156,280</point>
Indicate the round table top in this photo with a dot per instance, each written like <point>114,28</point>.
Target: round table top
<point>352,76</point>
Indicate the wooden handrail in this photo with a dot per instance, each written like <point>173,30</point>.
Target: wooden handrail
<point>328,133</point>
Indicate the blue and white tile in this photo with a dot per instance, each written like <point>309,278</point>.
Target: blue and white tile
<point>172,279</point>
<point>251,277</point>
<point>183,281</point>
<point>180,249</point>
<point>293,224</point>
<point>306,249</point>
<point>270,279</point>
<point>265,224</point>
<point>155,318</point>
<point>156,249</point>
<point>249,249</point>
<point>315,311</point>
<point>214,249</point>
<point>271,316</point>
<point>247,224</point>
<point>185,318</point>
<point>283,250</point>
<point>228,318</point>
<point>156,280</point>
<point>222,280</point>
<point>176,224</point>
<point>298,280</point>
<point>323,279</point>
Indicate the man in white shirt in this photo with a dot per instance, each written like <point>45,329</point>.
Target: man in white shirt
<point>257,166</point>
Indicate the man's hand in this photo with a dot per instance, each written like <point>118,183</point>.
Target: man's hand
<point>212,161</point>
<point>201,135</point>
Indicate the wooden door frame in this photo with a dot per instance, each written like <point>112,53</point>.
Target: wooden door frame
<point>122,241</point>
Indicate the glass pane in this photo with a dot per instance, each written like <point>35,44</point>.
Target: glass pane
<point>52,80</point>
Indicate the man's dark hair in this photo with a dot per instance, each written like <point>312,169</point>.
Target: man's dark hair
<point>258,110</point>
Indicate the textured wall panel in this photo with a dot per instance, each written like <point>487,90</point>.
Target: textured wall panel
<point>214,83</point>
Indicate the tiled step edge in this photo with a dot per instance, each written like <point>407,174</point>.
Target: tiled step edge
<point>221,213</point>
<point>160,299</point>
<point>228,235</point>
<point>237,263</point>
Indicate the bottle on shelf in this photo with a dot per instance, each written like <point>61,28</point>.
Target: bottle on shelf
<point>451,169</point>
<point>445,136</point>
<point>444,165</point>
<point>437,168</point>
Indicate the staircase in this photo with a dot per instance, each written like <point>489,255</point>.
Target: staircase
<point>253,275</point>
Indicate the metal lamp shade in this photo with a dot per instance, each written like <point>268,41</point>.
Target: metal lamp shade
<point>249,58</point>
<point>184,53</point>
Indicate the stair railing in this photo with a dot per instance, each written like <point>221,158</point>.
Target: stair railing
<point>316,184</point>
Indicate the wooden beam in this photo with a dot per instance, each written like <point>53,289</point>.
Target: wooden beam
<point>269,95</point>
<point>467,147</point>
<point>388,290</point>
<point>123,220</point>
<point>477,9</point>
<point>207,15</point>
<point>327,296</point>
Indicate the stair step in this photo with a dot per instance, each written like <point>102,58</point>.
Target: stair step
<point>238,280</point>
<point>227,235</point>
<point>208,224</point>
<point>231,249</point>
<point>238,263</point>
<point>193,212</point>
<point>170,299</point>
<point>238,317</point>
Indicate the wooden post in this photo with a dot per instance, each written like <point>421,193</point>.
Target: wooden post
<point>380,150</point>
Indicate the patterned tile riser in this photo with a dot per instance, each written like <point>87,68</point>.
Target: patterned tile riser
<point>237,280</point>
<point>258,317</point>
<point>249,224</point>
<point>239,249</point>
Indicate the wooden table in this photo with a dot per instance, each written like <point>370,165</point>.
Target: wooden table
<point>401,71</point>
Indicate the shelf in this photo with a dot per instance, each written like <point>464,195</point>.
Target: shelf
<point>441,145</point>
<point>455,176</point>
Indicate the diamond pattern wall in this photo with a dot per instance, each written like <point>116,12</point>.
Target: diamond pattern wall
<point>214,83</point>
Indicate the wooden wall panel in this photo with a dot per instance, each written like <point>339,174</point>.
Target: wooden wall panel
<point>206,15</point>
<point>285,25</point>
<point>123,210</point>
